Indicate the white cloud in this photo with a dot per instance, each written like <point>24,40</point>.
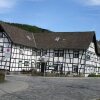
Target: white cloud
<point>36,0</point>
<point>93,2</point>
<point>90,2</point>
<point>6,4</point>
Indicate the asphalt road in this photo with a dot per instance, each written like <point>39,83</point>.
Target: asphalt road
<point>41,88</point>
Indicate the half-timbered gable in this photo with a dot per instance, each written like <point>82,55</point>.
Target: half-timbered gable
<point>66,51</point>
<point>21,48</point>
<point>21,58</point>
<point>5,50</point>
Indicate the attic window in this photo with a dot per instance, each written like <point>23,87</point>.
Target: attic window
<point>28,37</point>
<point>57,39</point>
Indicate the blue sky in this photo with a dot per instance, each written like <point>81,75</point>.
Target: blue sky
<point>55,15</point>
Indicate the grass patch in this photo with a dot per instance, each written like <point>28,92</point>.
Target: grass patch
<point>93,75</point>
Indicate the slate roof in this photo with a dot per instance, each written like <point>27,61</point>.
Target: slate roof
<point>98,45</point>
<point>66,40</point>
<point>54,40</point>
<point>19,36</point>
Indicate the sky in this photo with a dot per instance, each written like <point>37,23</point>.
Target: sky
<point>55,15</point>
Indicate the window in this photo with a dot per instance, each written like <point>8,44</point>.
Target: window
<point>98,58</point>
<point>76,54</point>
<point>38,53</point>
<point>32,64</point>
<point>21,51</point>
<point>1,35</point>
<point>1,49</point>
<point>38,64</point>
<point>75,69</point>
<point>87,57</point>
<point>55,67</point>
<point>26,63</point>
<point>33,53</point>
<point>59,53</point>
<point>44,52</point>
<point>99,70</point>
<point>20,64</point>
<point>56,52</point>
<point>61,68</point>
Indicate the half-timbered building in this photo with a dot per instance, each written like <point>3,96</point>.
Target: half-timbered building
<point>61,52</point>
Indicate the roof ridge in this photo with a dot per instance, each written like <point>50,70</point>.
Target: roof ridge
<point>76,32</point>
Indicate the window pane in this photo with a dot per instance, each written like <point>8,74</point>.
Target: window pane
<point>88,57</point>
<point>75,69</point>
<point>59,53</point>
<point>76,54</point>
<point>38,53</point>
<point>1,35</point>
<point>56,53</point>
<point>20,64</point>
<point>1,49</point>
<point>44,52</point>
<point>55,67</point>
<point>26,63</point>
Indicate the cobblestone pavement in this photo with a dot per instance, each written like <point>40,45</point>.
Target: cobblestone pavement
<point>41,88</point>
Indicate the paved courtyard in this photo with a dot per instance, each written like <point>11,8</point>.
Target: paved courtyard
<point>18,87</point>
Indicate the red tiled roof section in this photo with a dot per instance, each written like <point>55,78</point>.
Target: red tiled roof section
<point>18,35</point>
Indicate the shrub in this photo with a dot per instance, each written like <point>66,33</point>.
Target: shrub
<point>2,75</point>
<point>98,75</point>
<point>35,73</point>
<point>48,74</point>
<point>26,71</point>
<point>92,75</point>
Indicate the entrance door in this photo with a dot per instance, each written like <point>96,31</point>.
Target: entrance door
<point>43,67</point>
<point>75,69</point>
<point>61,68</point>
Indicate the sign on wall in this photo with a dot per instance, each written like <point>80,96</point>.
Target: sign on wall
<point>7,52</point>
